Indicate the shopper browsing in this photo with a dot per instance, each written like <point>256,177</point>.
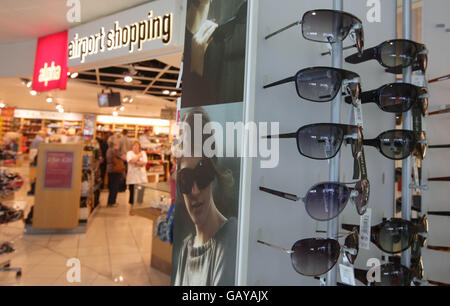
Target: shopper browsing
<point>115,168</point>
<point>136,173</point>
<point>124,144</point>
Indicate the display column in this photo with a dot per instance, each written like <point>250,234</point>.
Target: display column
<point>407,125</point>
<point>333,225</point>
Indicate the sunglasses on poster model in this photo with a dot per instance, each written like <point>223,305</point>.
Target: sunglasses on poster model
<point>329,26</point>
<point>396,98</point>
<point>326,200</point>
<point>397,53</point>
<point>322,84</point>
<point>396,235</point>
<point>399,144</point>
<point>317,256</point>
<point>203,175</point>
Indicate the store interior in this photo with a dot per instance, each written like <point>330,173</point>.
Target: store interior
<point>115,246</point>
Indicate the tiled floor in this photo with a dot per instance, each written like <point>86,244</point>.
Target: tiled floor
<point>115,251</point>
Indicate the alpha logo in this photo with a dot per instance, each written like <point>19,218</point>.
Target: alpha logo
<point>49,73</point>
<point>50,65</point>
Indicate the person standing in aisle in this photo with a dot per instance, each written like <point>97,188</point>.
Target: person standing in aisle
<point>124,144</point>
<point>103,142</point>
<point>114,169</point>
<point>136,173</point>
<point>144,139</point>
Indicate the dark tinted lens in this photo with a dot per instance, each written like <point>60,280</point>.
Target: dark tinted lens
<point>185,180</point>
<point>362,200</point>
<point>398,53</point>
<point>318,84</point>
<point>396,236</point>
<point>204,173</point>
<point>320,141</point>
<point>326,200</point>
<point>394,275</point>
<point>314,257</point>
<point>326,25</point>
<point>397,144</point>
<point>397,98</point>
<point>352,242</point>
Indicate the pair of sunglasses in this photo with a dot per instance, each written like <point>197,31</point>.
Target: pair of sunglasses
<point>325,201</point>
<point>396,98</point>
<point>395,55</point>
<point>324,140</point>
<point>322,84</point>
<point>317,256</point>
<point>399,144</point>
<point>393,274</point>
<point>395,235</point>
<point>203,175</point>
<point>329,26</point>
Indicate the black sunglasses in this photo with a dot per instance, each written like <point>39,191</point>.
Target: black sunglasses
<point>317,256</point>
<point>322,84</point>
<point>420,64</point>
<point>396,235</point>
<point>203,175</point>
<point>325,201</point>
<point>393,274</point>
<point>329,26</point>
<point>323,140</point>
<point>397,53</point>
<point>396,98</point>
<point>399,144</point>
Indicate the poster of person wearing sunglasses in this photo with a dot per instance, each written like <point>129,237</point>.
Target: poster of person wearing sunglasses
<point>206,210</point>
<point>214,52</point>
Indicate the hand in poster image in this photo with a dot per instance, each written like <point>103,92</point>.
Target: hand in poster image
<point>200,43</point>
<point>206,257</point>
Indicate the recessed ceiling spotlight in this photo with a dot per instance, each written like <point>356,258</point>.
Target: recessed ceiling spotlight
<point>128,79</point>
<point>33,92</point>
<point>59,106</point>
<point>122,108</point>
<point>115,113</point>
<point>166,92</point>
<point>2,105</point>
<point>61,110</point>
<point>125,99</point>
<point>131,100</point>
<point>173,93</point>
<point>29,84</point>
<point>49,99</point>
<point>74,75</point>
<point>68,73</point>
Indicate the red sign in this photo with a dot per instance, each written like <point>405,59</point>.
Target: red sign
<point>50,65</point>
<point>8,111</point>
<point>58,170</point>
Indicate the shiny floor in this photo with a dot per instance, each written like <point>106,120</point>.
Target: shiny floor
<point>115,251</point>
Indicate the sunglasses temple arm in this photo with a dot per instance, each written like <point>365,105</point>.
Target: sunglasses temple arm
<point>371,142</point>
<point>290,135</point>
<point>281,194</point>
<point>439,213</point>
<point>284,81</point>
<point>438,248</point>
<point>345,48</point>
<point>276,247</point>
<point>367,55</point>
<point>283,29</point>
<point>350,227</point>
<point>432,282</point>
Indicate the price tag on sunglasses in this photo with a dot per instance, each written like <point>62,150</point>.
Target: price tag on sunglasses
<point>347,274</point>
<point>357,111</point>
<point>364,230</point>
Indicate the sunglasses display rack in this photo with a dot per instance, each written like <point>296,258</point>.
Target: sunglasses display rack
<point>277,215</point>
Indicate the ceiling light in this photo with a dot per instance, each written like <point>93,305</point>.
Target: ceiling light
<point>2,105</point>
<point>29,83</point>
<point>74,75</point>
<point>61,110</point>
<point>128,79</point>
<point>173,93</point>
<point>33,92</point>
<point>125,99</point>
<point>59,106</point>
<point>115,113</point>
<point>68,73</point>
<point>122,108</point>
<point>131,100</point>
<point>166,92</point>
<point>49,99</point>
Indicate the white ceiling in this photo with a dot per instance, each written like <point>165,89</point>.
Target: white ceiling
<point>22,20</point>
<point>78,98</point>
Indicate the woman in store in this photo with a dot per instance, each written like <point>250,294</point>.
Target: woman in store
<point>136,173</point>
<point>114,176</point>
<point>207,255</point>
